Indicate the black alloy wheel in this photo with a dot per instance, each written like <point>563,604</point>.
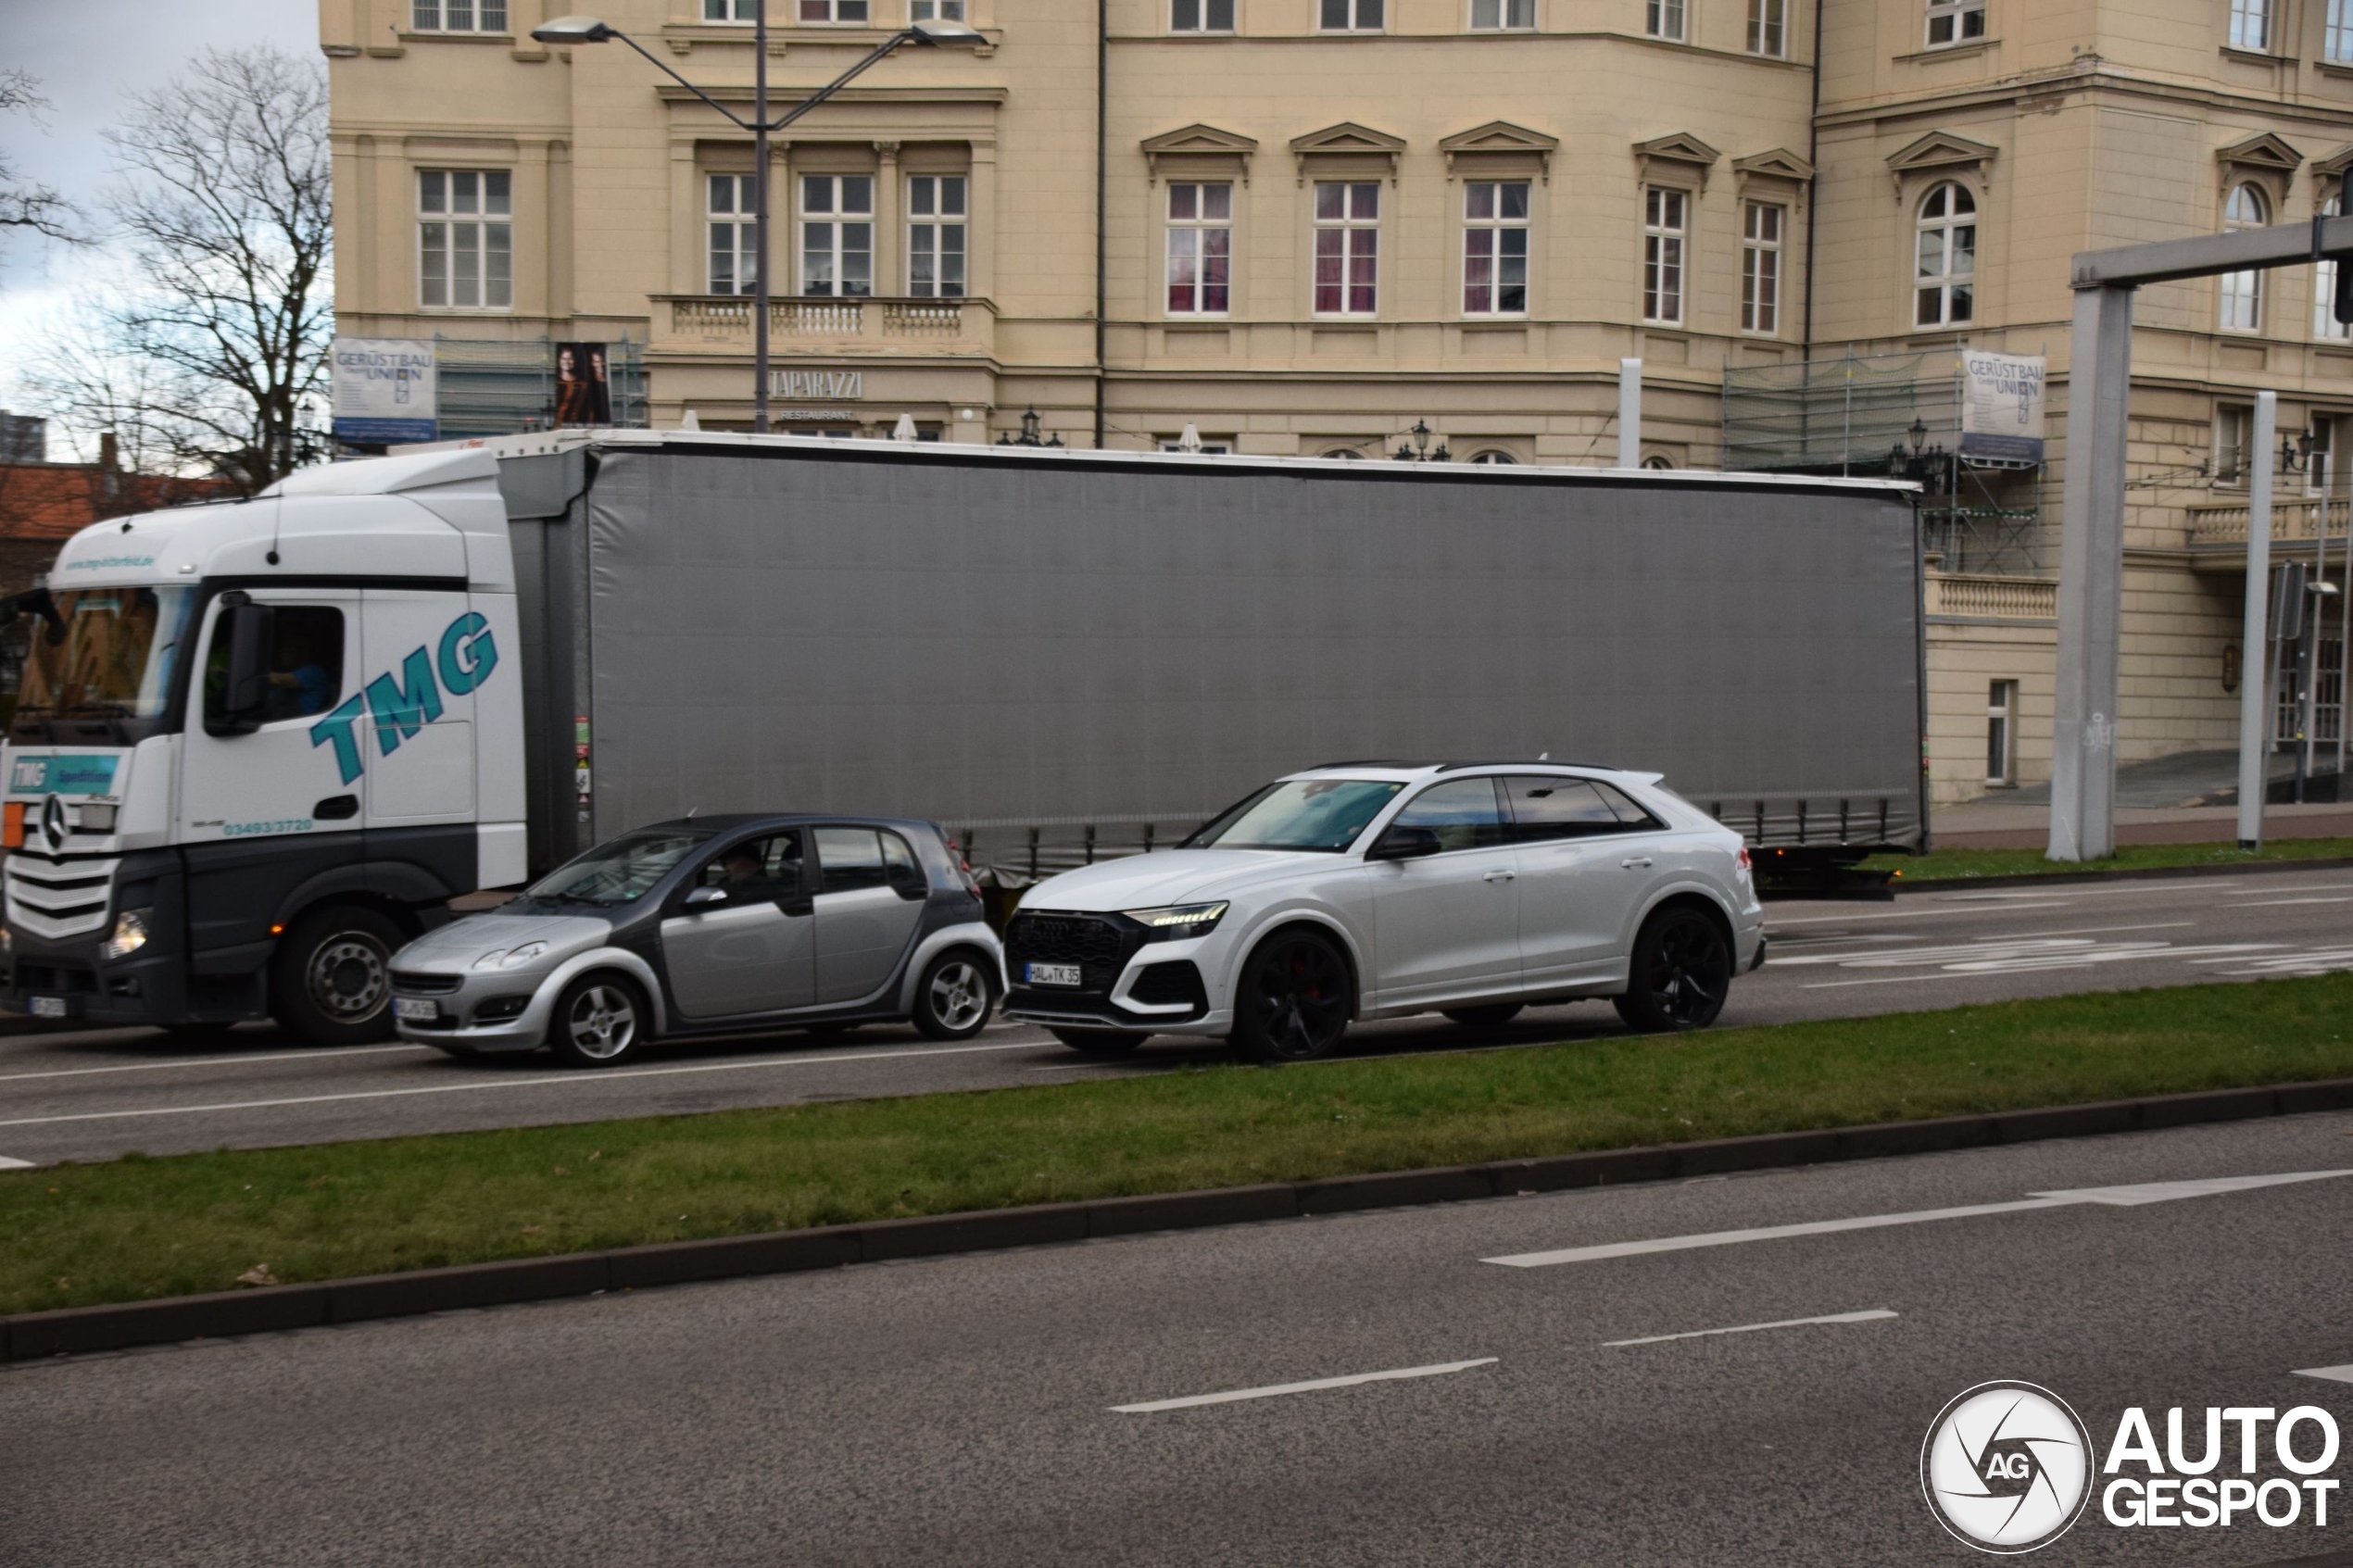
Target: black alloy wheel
<point>1295,1000</point>
<point>1682,974</point>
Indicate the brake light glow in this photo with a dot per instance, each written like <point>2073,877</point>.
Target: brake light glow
<point>1745,862</point>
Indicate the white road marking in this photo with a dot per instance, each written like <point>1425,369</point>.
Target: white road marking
<point>1875,1315</point>
<point>2107,929</point>
<point>1994,957</point>
<point>2124,890</point>
<point>541,1080</point>
<point>2286,903</point>
<point>1277,1389</point>
<point>2326,960</point>
<point>8,1164</point>
<point>2334,1374</point>
<point>2118,1197</point>
<point>1773,925</point>
<point>215,1061</point>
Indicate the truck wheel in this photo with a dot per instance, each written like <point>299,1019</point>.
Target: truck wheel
<point>1682,974</point>
<point>331,980</point>
<point>1103,1043</point>
<point>1293,1002</point>
<point>1493,1017</point>
<point>954,997</point>
<point>600,1022</point>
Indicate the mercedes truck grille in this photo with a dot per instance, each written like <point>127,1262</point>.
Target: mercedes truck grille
<point>53,899</point>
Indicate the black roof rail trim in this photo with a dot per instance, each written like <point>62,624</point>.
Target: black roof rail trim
<point>1530,762</point>
<point>1367,763</point>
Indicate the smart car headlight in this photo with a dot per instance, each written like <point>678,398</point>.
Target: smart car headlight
<point>499,958</point>
<point>1179,922</point>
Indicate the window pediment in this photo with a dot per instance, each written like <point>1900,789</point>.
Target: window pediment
<point>1501,138</point>
<point>1346,139</point>
<point>1940,152</point>
<point>1681,152</point>
<point>2266,154</point>
<point>1199,141</point>
<point>1778,164</point>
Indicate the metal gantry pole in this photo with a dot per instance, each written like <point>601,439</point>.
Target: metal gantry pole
<point>760,216</point>
<point>2255,647</point>
<point>1629,413</point>
<point>2091,577</point>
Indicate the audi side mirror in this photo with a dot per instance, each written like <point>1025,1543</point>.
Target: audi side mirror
<point>1406,844</point>
<point>703,896</point>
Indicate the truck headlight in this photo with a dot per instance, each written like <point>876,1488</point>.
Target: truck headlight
<point>130,934</point>
<point>1179,922</point>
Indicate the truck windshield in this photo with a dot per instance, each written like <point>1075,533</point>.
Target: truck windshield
<point>1322,814</point>
<point>620,872</point>
<point>109,654</point>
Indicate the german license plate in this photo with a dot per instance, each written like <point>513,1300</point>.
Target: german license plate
<point>1056,975</point>
<point>418,1008</point>
<point>48,1006</point>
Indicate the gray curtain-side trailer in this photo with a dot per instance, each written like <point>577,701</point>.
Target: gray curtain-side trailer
<point>1060,656</point>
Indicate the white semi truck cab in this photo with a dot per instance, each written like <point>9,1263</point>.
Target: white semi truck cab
<point>260,745</point>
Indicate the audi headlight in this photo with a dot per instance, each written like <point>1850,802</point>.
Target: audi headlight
<point>130,934</point>
<point>1179,922</point>
<point>522,955</point>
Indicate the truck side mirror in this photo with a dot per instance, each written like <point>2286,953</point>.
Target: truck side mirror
<point>251,630</point>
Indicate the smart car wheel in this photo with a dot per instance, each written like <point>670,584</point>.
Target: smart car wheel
<point>600,1022</point>
<point>1682,974</point>
<point>1100,1042</point>
<point>330,978</point>
<point>1294,1000</point>
<point>1485,1018</point>
<point>954,997</point>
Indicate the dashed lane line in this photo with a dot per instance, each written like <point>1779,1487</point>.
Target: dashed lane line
<point>214,1061</point>
<point>1277,1390</point>
<point>1877,1314</point>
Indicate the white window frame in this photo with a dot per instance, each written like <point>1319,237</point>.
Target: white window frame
<point>1946,278</point>
<point>2326,328</point>
<point>727,13</point>
<point>484,232</point>
<point>1769,29</point>
<point>476,17</point>
<point>1190,240</point>
<point>1360,240</point>
<point>1208,448</point>
<point>2337,44</point>
<point>1201,16</point>
<point>2252,22</point>
<point>737,214</point>
<point>2001,729</point>
<point>2233,432</point>
<point>1494,458</point>
<point>1668,20</point>
<point>1362,16</point>
<point>1763,239</point>
<point>2239,296</point>
<point>833,13</point>
<point>837,220</point>
<point>939,208</point>
<point>1503,16</point>
<point>1952,23</point>
<point>936,11</point>
<point>1487,239</point>
<point>1666,231</point>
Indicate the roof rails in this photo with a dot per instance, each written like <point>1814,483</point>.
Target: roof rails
<point>1529,762</point>
<point>1367,762</point>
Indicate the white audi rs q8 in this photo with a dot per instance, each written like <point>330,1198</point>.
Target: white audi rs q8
<point>1375,890</point>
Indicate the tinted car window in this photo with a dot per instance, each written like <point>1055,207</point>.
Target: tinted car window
<point>898,858</point>
<point>757,868</point>
<point>852,859</point>
<point>306,664</point>
<point>1632,814</point>
<point>1546,809</point>
<point>1463,813</point>
<point>1320,814</point>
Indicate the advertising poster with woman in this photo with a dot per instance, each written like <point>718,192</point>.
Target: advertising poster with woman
<point>584,396</point>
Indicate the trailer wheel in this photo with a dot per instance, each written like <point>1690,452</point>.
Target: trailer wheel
<point>1682,974</point>
<point>330,979</point>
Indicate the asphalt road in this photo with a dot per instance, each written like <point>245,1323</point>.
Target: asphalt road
<point>97,1096</point>
<point>969,1409</point>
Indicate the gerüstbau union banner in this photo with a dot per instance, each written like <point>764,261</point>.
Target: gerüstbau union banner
<point>2002,407</point>
<point>385,391</point>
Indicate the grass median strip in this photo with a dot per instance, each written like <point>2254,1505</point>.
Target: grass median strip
<point>139,1228</point>
<point>1944,865</point>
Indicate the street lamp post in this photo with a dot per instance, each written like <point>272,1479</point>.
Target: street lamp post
<point>589,30</point>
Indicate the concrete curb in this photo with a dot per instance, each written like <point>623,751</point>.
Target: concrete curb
<point>79,1330</point>
<point>2135,873</point>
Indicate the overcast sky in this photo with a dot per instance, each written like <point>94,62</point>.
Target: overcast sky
<point>86,52</point>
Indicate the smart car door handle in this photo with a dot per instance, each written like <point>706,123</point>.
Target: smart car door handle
<point>1640,863</point>
<point>1501,875</point>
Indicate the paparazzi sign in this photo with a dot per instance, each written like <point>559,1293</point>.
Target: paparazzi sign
<point>2009,1468</point>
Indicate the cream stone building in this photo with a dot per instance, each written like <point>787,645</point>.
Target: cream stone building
<point>1310,226</point>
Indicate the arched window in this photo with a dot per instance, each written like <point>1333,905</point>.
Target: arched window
<point>1945,280</point>
<point>2325,323</point>
<point>1346,453</point>
<point>1659,463</point>
<point>1494,456</point>
<point>2245,207</point>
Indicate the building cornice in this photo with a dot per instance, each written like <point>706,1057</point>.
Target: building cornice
<point>2098,78</point>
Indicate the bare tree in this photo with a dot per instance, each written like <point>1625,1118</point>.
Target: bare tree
<point>206,362</point>
<point>26,205</point>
